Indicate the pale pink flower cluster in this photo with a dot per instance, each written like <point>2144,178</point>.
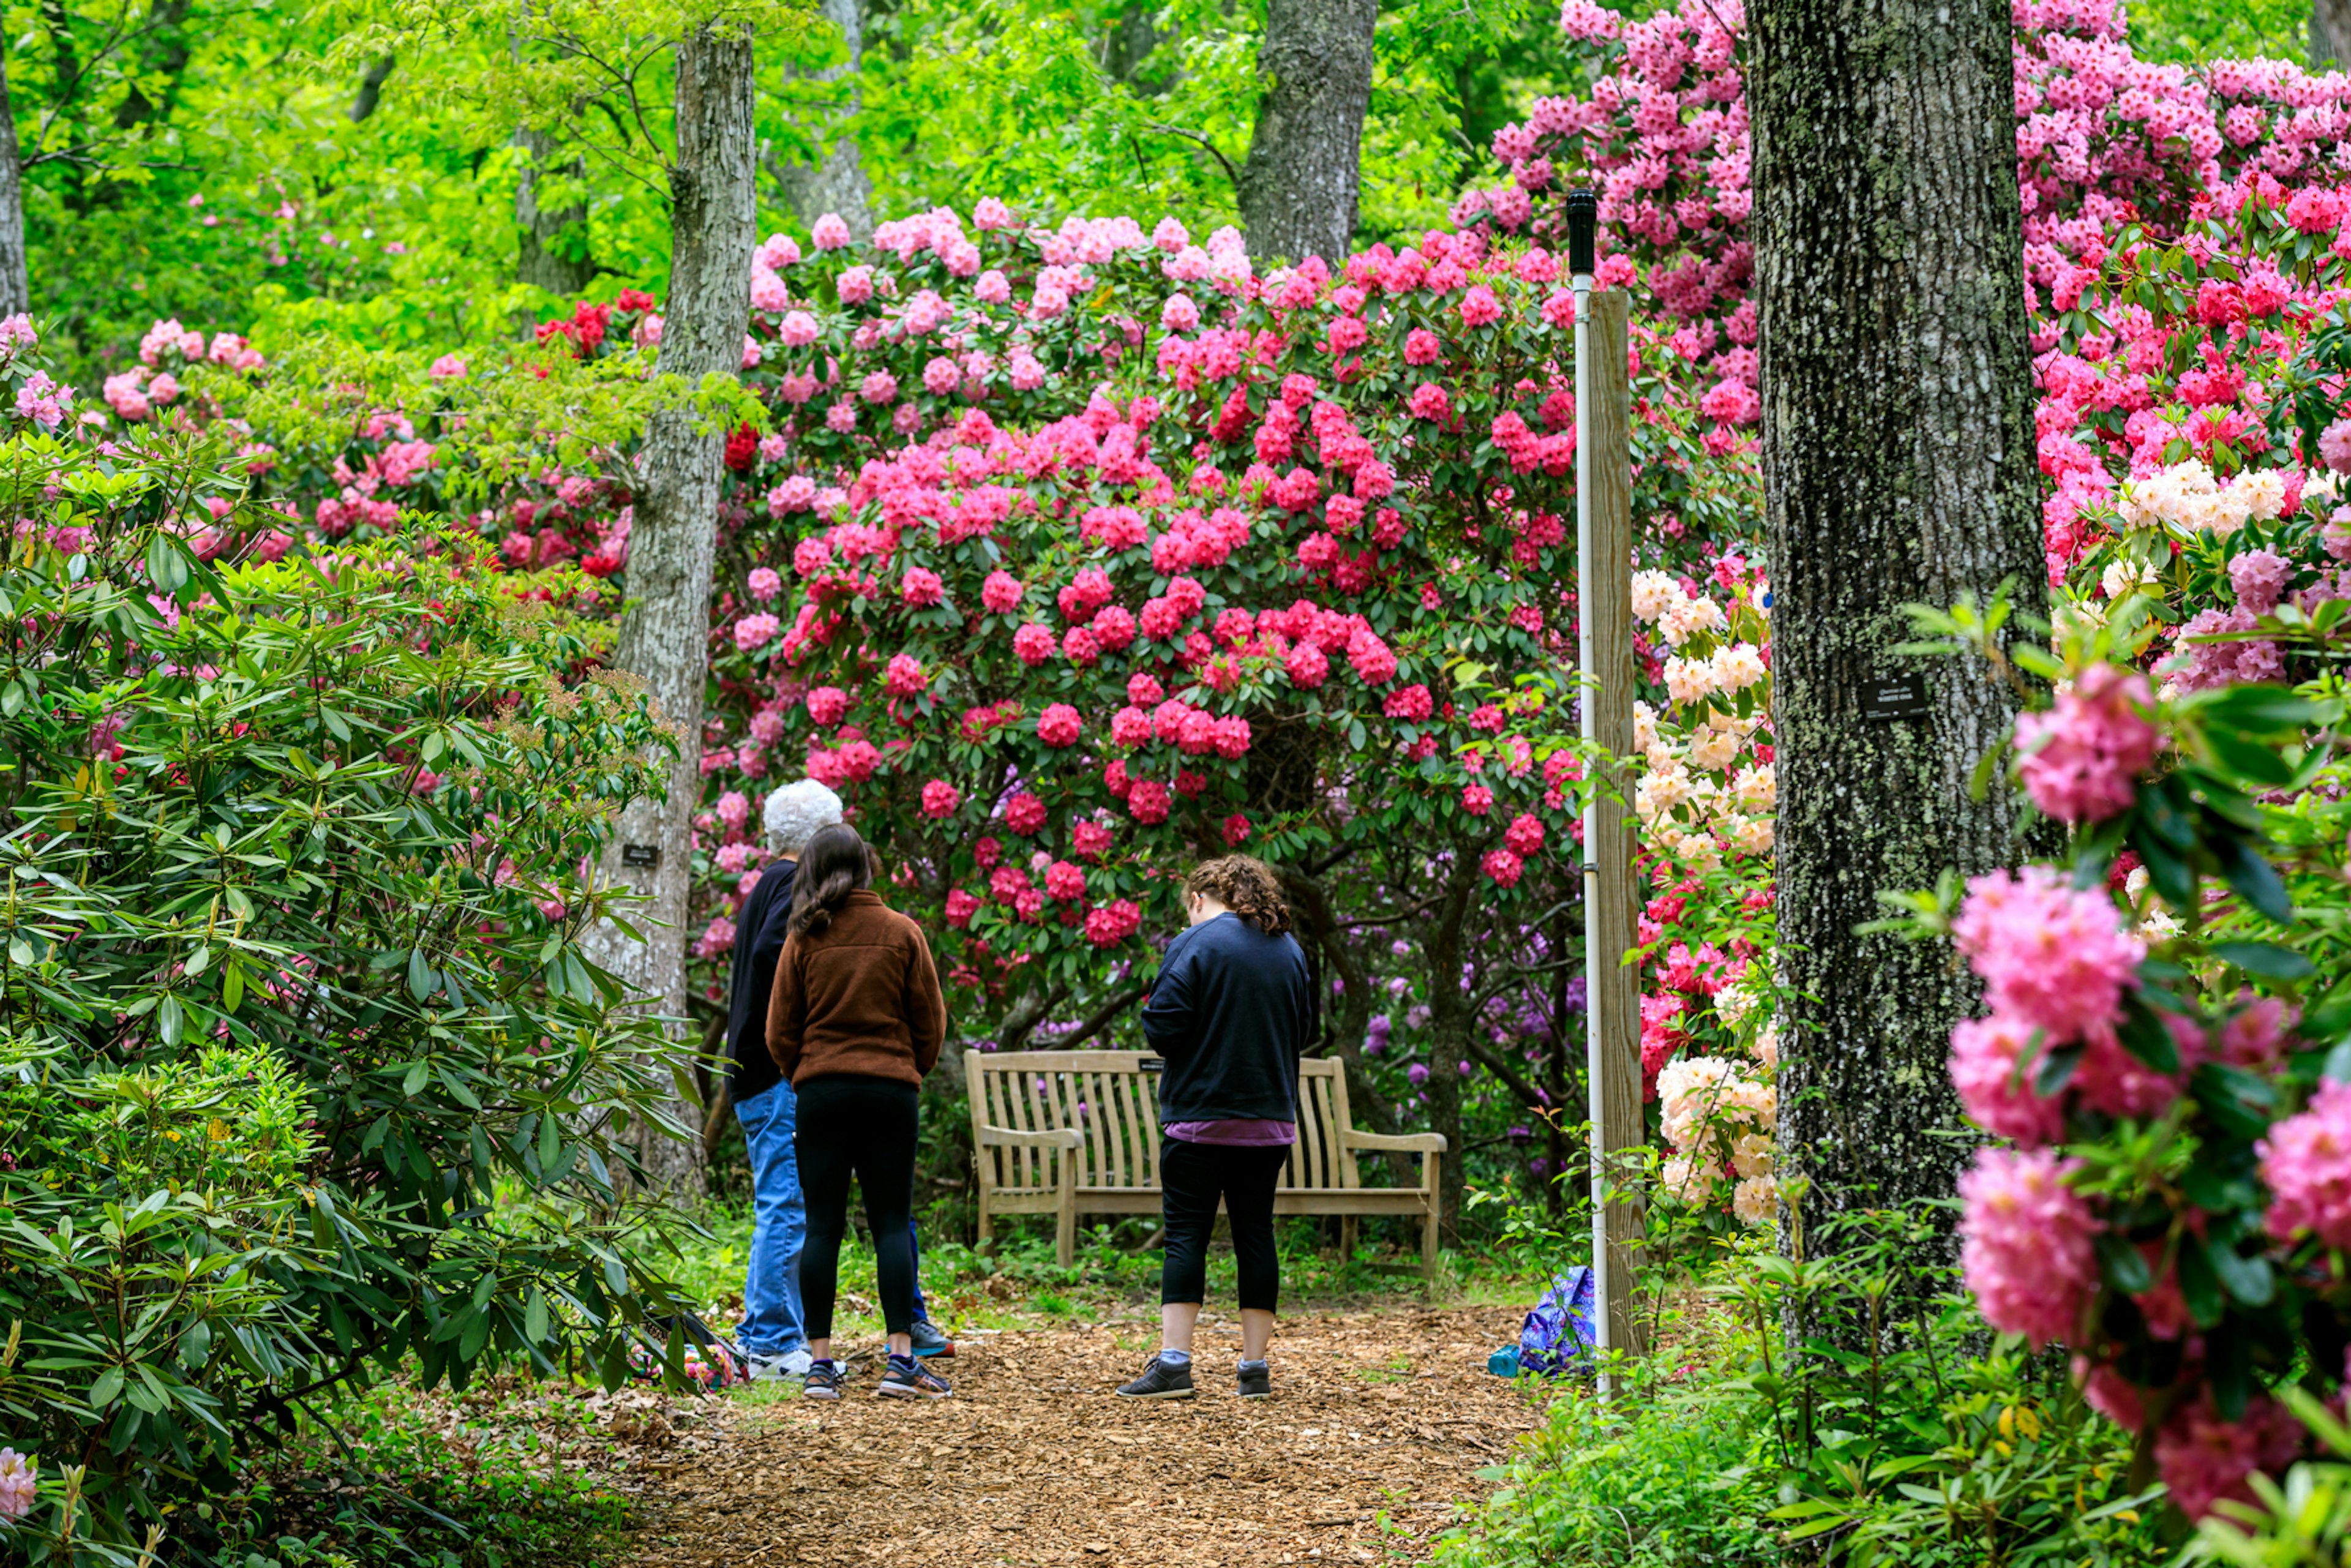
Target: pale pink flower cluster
<point>1717,1116</point>
<point>19,1484</point>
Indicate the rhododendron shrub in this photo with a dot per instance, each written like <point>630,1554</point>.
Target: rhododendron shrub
<point>2168,1197</point>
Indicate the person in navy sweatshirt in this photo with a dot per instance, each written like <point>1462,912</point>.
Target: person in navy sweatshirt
<point>1231,1011</point>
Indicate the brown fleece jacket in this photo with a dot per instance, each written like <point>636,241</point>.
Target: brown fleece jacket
<point>861,997</point>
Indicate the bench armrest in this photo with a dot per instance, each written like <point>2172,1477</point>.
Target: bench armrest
<point>1393,1143</point>
<point>1058,1138</point>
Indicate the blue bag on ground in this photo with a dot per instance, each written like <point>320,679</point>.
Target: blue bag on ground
<point>1559,1331</point>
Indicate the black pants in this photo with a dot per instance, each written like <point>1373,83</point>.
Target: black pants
<point>850,1125</point>
<point>1192,1177</point>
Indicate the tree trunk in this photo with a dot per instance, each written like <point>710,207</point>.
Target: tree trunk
<point>836,183</point>
<point>15,288</point>
<point>1449,1022</point>
<point>2330,35</point>
<point>546,256</point>
<point>1298,187</point>
<point>664,633</point>
<point>1899,467</point>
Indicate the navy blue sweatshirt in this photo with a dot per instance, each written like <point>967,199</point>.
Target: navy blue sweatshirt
<point>759,933</point>
<point>1231,1010</point>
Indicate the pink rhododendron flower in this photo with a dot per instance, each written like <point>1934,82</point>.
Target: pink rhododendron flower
<point>2306,1161</point>
<point>2027,1252</point>
<point>961,907</point>
<point>904,677</point>
<point>1503,866</point>
<point>830,231</point>
<point>921,586</point>
<point>2053,956</point>
<point>940,798</point>
<point>1059,725</point>
<point>1991,1068</point>
<point>1001,592</point>
<point>2258,577</point>
<point>763,583</point>
<point>1477,799</point>
<point>2203,1459</point>
<point>1033,644</point>
<point>2081,760</point>
<point>1065,882</point>
<point>755,631</point>
<point>827,707</point>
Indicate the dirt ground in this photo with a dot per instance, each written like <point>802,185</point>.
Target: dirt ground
<point>1378,1424</point>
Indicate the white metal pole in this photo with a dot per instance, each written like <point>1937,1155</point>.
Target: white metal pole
<point>1595,962</point>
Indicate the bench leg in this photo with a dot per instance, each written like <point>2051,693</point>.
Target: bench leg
<point>1433,1170</point>
<point>1347,1238</point>
<point>1065,1229</point>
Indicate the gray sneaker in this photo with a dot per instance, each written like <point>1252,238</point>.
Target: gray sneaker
<point>822,1382</point>
<point>1160,1380</point>
<point>1257,1380</point>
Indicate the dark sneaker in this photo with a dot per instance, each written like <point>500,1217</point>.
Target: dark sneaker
<point>910,1379</point>
<point>822,1382</point>
<point>1160,1380</point>
<point>929,1339</point>
<point>1256,1382</point>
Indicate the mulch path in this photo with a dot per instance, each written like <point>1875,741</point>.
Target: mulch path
<point>1378,1425</point>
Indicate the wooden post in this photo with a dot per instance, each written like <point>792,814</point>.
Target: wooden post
<point>1604,614</point>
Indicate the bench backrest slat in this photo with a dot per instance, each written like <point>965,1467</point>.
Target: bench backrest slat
<point>1040,1090</point>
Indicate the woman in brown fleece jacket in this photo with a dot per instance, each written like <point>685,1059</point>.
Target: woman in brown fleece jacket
<point>855,1020</point>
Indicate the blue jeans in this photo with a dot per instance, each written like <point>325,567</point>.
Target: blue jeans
<point>771,1285</point>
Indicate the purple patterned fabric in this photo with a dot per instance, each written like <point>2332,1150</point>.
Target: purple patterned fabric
<point>1248,1134</point>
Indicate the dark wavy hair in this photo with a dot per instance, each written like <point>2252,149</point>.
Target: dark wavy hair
<point>836,864</point>
<point>1244,884</point>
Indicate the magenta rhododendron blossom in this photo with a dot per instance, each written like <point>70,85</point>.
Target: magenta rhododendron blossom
<point>1059,725</point>
<point>2306,1161</point>
<point>2081,760</point>
<point>1504,866</point>
<point>2027,1243</point>
<point>1477,799</point>
<point>2053,956</point>
<point>904,677</point>
<point>827,707</point>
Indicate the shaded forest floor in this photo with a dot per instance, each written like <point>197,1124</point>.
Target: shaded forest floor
<point>1379,1424</point>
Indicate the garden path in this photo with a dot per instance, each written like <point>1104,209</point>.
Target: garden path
<point>1379,1424</point>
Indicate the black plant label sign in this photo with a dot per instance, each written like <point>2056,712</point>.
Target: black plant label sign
<point>1894,696</point>
<point>645,857</point>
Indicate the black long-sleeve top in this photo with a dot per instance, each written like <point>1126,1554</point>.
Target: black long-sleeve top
<point>1231,1011</point>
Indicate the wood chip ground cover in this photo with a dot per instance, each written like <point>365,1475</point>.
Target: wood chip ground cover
<point>1378,1426</point>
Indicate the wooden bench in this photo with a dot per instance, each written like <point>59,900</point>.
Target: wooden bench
<point>1067,1133</point>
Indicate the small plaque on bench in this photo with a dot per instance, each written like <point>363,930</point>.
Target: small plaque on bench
<point>1151,1064</point>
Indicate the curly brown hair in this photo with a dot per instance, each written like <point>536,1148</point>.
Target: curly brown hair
<point>1247,886</point>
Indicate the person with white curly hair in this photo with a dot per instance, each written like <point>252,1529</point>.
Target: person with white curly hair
<point>771,1334</point>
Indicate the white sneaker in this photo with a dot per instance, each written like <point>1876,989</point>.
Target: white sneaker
<point>788,1364</point>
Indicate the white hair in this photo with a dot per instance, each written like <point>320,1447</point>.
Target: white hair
<point>795,812</point>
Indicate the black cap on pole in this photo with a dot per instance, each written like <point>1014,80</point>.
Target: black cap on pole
<point>1583,219</point>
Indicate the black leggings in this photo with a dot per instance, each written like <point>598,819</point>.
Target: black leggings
<point>1191,1178</point>
<point>853,1124</point>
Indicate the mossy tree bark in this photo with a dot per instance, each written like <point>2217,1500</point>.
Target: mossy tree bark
<point>672,542</point>
<point>1899,467</point>
<point>1299,186</point>
<point>16,287</point>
